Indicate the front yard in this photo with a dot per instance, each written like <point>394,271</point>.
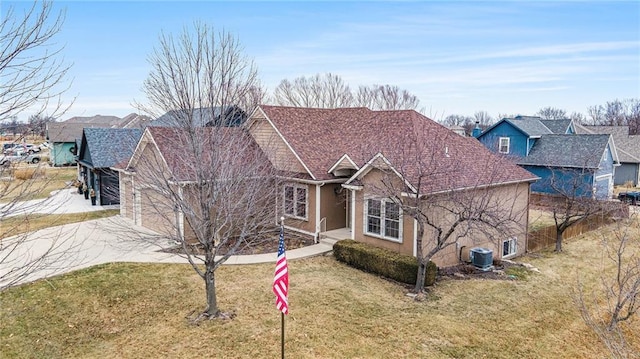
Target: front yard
<point>139,310</point>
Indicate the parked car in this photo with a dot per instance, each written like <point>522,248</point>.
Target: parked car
<point>22,148</point>
<point>7,160</point>
<point>629,197</point>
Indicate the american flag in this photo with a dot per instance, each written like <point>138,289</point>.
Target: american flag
<point>281,278</point>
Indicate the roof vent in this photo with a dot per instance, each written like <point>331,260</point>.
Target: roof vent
<point>481,258</point>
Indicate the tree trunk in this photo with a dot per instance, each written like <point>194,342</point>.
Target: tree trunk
<point>559,240</point>
<point>422,263</point>
<point>422,269</point>
<point>210,282</point>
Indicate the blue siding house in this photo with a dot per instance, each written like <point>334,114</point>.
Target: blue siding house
<point>567,163</point>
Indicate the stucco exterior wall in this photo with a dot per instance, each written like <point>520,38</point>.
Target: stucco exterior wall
<point>333,206</point>
<point>512,199</point>
<point>126,195</point>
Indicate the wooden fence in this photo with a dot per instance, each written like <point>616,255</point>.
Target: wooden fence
<point>546,237</point>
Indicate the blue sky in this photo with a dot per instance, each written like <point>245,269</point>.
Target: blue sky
<point>506,57</point>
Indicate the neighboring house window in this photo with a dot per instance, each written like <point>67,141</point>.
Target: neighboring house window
<point>504,145</point>
<point>295,201</point>
<point>509,247</point>
<point>383,219</point>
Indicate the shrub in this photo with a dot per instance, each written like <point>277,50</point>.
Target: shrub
<point>389,264</point>
<point>24,173</point>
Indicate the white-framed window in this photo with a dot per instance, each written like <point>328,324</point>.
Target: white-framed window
<point>509,247</point>
<point>503,145</point>
<point>383,219</point>
<point>295,200</point>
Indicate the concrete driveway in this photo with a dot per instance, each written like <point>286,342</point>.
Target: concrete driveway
<point>66,248</point>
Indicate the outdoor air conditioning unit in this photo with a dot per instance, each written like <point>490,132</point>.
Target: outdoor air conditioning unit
<point>482,258</point>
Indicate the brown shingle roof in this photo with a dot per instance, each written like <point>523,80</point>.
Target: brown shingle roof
<point>322,136</point>
<point>218,152</point>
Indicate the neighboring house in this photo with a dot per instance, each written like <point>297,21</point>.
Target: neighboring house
<point>100,150</point>
<point>332,157</point>
<point>628,148</point>
<point>553,150</point>
<point>202,117</point>
<point>580,165</point>
<point>65,136</point>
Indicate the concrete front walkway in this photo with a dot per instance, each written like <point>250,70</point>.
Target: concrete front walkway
<point>116,239</point>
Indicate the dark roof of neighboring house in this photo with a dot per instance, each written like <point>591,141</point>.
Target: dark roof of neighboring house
<point>628,146</point>
<point>320,137</point>
<point>576,151</point>
<point>105,121</point>
<point>133,120</point>
<point>110,146</point>
<point>535,126</point>
<point>67,132</point>
<point>532,126</point>
<point>241,152</point>
<point>201,117</point>
<point>558,127</point>
<point>71,129</point>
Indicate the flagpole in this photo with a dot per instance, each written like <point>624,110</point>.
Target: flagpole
<point>282,313</point>
<point>282,335</point>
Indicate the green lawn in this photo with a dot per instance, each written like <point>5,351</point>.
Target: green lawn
<point>46,180</point>
<point>12,226</point>
<point>140,310</point>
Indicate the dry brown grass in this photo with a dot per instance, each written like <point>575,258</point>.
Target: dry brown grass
<point>139,310</point>
<point>35,187</point>
<point>12,226</point>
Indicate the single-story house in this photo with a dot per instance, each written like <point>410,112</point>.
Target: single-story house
<point>567,162</point>
<point>334,156</point>
<point>100,150</point>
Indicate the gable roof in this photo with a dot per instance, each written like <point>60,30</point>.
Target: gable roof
<point>68,131</point>
<point>575,151</point>
<point>71,129</point>
<point>533,126</point>
<point>558,127</point>
<point>627,145</point>
<point>97,120</point>
<point>201,117</point>
<point>173,145</point>
<point>321,137</point>
<point>106,147</point>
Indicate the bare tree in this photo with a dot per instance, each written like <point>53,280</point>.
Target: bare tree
<point>211,190</point>
<point>578,117</point>
<point>330,91</point>
<point>606,307</point>
<point>552,113</point>
<point>385,97</point>
<point>453,197</point>
<point>33,77</point>
<point>38,124</point>
<point>617,113</point>
<point>319,91</point>
<point>571,201</point>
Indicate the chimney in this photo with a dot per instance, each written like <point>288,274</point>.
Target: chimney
<point>476,130</point>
